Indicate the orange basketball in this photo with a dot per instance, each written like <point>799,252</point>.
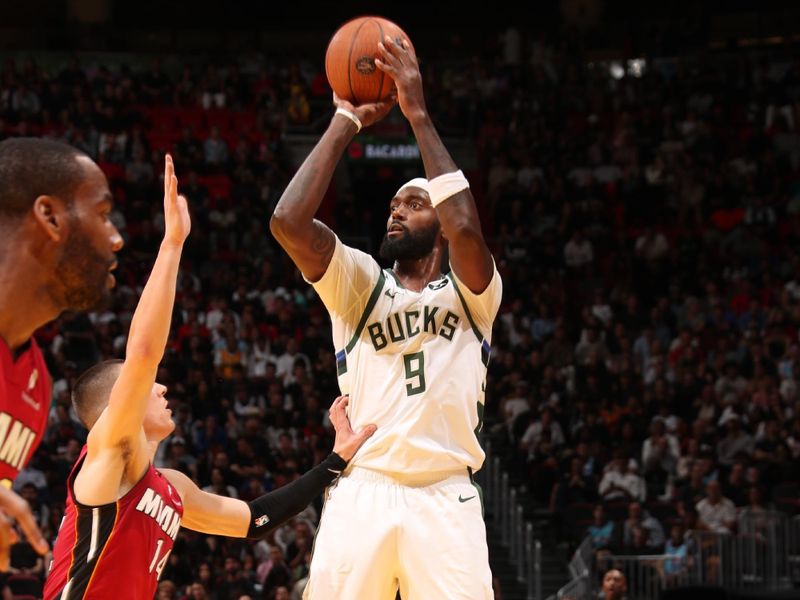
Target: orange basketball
<point>350,60</point>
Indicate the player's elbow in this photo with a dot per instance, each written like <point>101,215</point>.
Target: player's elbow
<point>283,225</point>
<point>277,223</point>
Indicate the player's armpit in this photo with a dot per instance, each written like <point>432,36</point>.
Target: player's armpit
<point>107,465</point>
<point>116,446</point>
<point>209,513</point>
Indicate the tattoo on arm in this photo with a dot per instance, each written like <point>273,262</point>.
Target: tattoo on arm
<point>323,242</point>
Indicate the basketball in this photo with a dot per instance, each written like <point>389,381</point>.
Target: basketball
<point>350,60</point>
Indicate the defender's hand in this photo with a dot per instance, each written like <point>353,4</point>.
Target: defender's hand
<point>177,223</point>
<point>16,507</point>
<point>347,441</point>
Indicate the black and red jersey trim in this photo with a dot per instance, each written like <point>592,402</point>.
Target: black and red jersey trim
<point>93,532</point>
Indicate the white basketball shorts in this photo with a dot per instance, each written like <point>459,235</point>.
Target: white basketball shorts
<point>379,534</point>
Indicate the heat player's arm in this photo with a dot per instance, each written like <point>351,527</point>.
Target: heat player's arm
<point>116,443</point>
<point>218,515</point>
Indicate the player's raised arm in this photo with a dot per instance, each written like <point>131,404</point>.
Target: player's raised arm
<point>116,442</point>
<point>218,515</point>
<point>449,190</point>
<point>308,241</point>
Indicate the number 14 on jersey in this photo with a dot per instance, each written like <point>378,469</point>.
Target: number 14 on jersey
<point>158,563</point>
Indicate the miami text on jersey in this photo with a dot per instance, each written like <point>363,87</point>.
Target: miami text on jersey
<point>153,504</point>
<point>15,441</point>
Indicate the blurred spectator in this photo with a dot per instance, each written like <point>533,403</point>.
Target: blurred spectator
<point>533,435</point>
<point>677,549</point>
<point>574,487</point>
<point>234,584</point>
<point>287,360</point>
<point>639,517</point>
<point>652,246</point>
<point>602,530</point>
<point>276,573</point>
<point>715,512</point>
<point>298,110</point>
<point>212,89</point>
<point>615,586</point>
<point>578,252</point>
<point>638,543</point>
<point>215,149</point>
<point>736,442</point>
<point>230,355</point>
<point>166,590</point>
<point>621,481</point>
<point>218,485</point>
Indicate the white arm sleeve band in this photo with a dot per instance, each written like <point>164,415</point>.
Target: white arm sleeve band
<point>444,186</point>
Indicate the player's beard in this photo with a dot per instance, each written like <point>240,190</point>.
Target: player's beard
<point>409,246</point>
<point>83,273</point>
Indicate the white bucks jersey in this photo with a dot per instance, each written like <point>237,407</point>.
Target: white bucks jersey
<point>414,363</point>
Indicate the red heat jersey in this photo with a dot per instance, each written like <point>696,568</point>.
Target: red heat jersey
<point>24,405</point>
<point>116,550</point>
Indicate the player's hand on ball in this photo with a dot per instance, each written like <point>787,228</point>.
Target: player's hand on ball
<point>369,113</point>
<point>399,61</point>
<point>177,223</point>
<point>347,441</point>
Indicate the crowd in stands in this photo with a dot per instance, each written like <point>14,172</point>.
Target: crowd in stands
<point>646,359</point>
<point>645,369</point>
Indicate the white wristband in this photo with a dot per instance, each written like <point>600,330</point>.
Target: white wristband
<point>346,113</point>
<point>444,186</point>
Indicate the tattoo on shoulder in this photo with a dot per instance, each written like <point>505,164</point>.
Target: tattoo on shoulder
<point>323,242</point>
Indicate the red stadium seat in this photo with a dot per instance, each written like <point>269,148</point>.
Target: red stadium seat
<point>162,141</point>
<point>113,171</point>
<point>218,117</point>
<point>192,117</point>
<point>219,186</point>
<point>164,119</point>
<point>243,121</point>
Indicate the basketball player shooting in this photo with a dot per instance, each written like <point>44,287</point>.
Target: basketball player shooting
<point>412,348</point>
<point>123,514</point>
<point>57,251</point>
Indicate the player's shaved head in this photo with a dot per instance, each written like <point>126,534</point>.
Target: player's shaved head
<point>33,167</point>
<point>93,389</point>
